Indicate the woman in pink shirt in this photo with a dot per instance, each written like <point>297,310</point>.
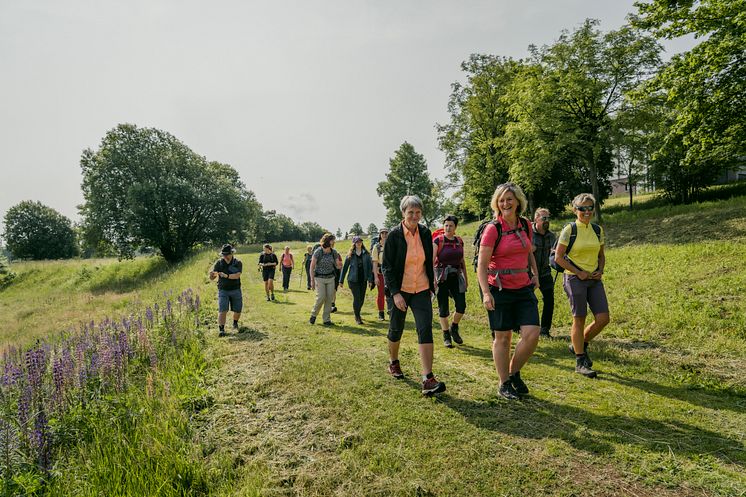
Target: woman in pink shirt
<point>505,257</point>
<point>287,263</point>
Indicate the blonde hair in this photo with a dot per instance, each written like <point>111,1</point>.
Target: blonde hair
<point>540,210</point>
<point>501,190</point>
<point>582,198</point>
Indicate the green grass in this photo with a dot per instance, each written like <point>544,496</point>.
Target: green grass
<point>307,410</point>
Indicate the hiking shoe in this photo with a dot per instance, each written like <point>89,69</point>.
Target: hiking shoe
<point>358,320</point>
<point>222,333</point>
<point>447,339</point>
<point>334,308</point>
<point>381,316</point>
<point>431,386</point>
<point>312,320</point>
<point>395,371</point>
<point>507,391</point>
<point>544,333</point>
<point>273,295</point>
<point>328,323</point>
<point>583,367</point>
<point>585,347</point>
<point>268,299</point>
<point>235,326</point>
<point>454,333</point>
<point>518,385</point>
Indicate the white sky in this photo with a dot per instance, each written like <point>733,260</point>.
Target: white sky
<point>307,100</point>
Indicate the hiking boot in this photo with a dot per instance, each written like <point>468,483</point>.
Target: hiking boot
<point>518,385</point>
<point>447,339</point>
<point>585,348</point>
<point>273,295</point>
<point>328,323</point>
<point>544,333</point>
<point>454,333</point>
<point>235,326</point>
<point>268,299</point>
<point>507,391</point>
<point>358,320</point>
<point>334,308</point>
<point>583,367</point>
<point>312,320</point>
<point>395,370</point>
<point>222,333</point>
<point>431,386</point>
<point>381,316</point>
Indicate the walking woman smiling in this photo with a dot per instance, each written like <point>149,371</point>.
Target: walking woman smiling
<point>505,255</point>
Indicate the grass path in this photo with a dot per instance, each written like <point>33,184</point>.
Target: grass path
<point>308,410</point>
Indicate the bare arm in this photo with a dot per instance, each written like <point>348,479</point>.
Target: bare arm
<point>559,258</point>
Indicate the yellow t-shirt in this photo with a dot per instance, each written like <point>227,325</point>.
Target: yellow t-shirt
<point>584,252</point>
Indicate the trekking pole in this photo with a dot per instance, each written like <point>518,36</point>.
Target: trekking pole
<point>300,279</point>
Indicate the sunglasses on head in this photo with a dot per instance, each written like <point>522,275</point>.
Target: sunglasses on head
<point>585,208</point>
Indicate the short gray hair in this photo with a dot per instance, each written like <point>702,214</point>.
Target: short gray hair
<point>409,201</point>
<point>540,210</point>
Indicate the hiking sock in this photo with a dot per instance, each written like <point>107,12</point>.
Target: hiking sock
<point>428,376</point>
<point>395,361</point>
<point>221,327</point>
<point>235,323</point>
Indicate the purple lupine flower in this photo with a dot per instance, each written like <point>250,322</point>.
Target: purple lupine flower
<point>168,307</point>
<point>149,315</point>
<point>196,303</point>
<point>40,439</point>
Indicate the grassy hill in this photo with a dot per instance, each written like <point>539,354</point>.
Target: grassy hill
<point>308,410</point>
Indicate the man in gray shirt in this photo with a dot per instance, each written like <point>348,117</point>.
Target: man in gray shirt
<point>543,240</point>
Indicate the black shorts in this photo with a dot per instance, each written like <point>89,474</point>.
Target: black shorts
<point>268,273</point>
<point>513,309</point>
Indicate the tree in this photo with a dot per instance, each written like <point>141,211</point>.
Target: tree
<point>338,235</point>
<point>407,176</point>
<point>35,231</point>
<point>312,232</point>
<point>474,140</point>
<point>704,88</point>
<point>143,187</point>
<point>372,229</point>
<point>570,98</point>
<point>357,229</point>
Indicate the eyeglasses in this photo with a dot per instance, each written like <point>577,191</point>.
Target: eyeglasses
<point>544,218</point>
<point>585,208</point>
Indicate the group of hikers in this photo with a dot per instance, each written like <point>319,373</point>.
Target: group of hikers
<point>410,267</point>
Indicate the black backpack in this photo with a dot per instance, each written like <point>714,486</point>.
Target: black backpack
<point>573,235</point>
<point>480,231</point>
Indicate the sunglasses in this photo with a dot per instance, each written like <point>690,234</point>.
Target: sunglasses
<point>585,208</point>
<point>544,218</point>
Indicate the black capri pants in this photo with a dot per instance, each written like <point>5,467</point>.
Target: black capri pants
<point>450,287</point>
<point>422,309</point>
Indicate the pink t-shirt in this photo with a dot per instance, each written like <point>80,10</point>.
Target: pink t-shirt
<point>510,254</point>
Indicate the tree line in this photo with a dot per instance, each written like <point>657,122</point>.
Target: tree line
<point>592,104</point>
<point>145,190</point>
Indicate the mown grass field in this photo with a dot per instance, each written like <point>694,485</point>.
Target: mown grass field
<point>309,410</point>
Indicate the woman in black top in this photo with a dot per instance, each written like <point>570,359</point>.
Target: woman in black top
<point>268,262</point>
<point>360,267</point>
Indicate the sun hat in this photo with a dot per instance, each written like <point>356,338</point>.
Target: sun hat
<point>356,239</point>
<point>227,249</point>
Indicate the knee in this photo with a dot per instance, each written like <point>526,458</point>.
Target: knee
<point>602,319</point>
<point>394,335</point>
<point>530,334</point>
<point>501,338</point>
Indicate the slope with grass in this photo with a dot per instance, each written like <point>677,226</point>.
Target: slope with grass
<point>309,410</point>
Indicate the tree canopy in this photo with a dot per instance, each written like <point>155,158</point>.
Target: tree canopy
<point>35,231</point>
<point>143,187</point>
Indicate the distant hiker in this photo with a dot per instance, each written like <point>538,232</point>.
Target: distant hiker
<point>227,270</point>
<point>408,276</point>
<point>360,274</point>
<point>543,242</point>
<point>505,256</point>
<point>324,263</point>
<point>450,279</point>
<point>268,262</point>
<point>287,263</point>
<point>307,265</point>
<point>377,255</point>
<point>580,251</point>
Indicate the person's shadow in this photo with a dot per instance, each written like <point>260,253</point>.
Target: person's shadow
<point>247,334</point>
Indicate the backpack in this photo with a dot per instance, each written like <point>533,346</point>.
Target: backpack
<point>480,231</point>
<point>457,241</point>
<point>573,235</point>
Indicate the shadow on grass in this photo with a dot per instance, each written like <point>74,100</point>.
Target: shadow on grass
<point>595,433</point>
<point>112,281</point>
<point>247,334</point>
<point>363,330</point>
<point>698,394</point>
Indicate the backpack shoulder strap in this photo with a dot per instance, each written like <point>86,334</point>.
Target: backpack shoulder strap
<point>573,236</point>
<point>597,230</point>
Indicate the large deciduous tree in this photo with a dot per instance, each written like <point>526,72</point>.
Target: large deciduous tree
<point>35,231</point>
<point>704,88</point>
<point>143,187</point>
<point>571,99</point>
<point>407,175</point>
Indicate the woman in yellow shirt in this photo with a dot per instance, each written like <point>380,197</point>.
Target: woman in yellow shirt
<point>584,270</point>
